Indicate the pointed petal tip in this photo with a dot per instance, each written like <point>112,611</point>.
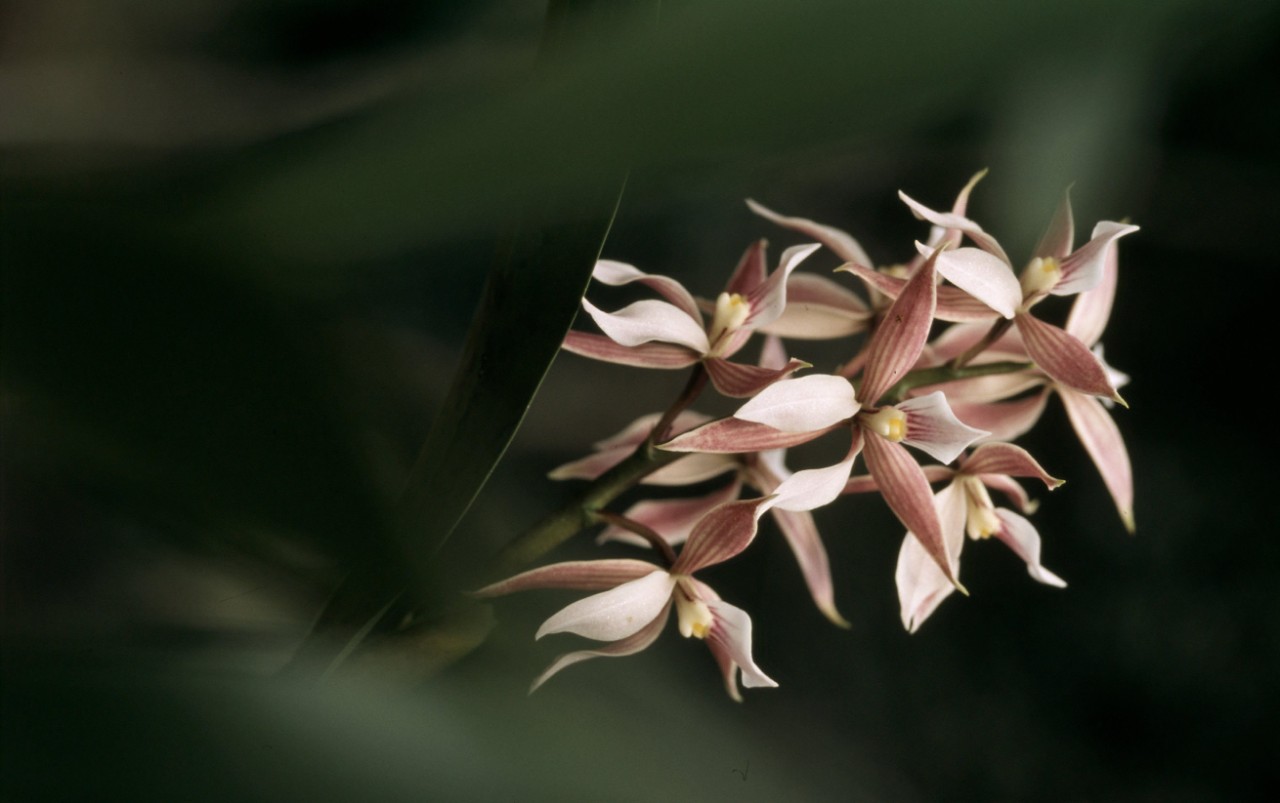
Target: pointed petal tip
<point>955,581</point>
<point>1129,524</point>
<point>1118,399</point>
<point>835,618</point>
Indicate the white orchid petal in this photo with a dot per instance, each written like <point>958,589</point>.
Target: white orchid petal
<point>628,646</point>
<point>617,613</point>
<point>1021,536</point>
<point>981,275</point>
<point>1083,269</point>
<point>814,487</point>
<point>802,405</point>
<point>732,631</point>
<point>842,244</point>
<point>934,429</point>
<point>647,321</point>
<point>617,274</point>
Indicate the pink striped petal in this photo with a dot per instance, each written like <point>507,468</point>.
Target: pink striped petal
<point>958,222</point>
<point>934,429</point>
<point>741,381</point>
<point>1092,309</point>
<point>647,321</point>
<point>617,613</point>
<point>1020,535</point>
<point>617,274</point>
<point>580,575</point>
<point>901,336</point>
<point>591,466</point>
<point>770,299</point>
<point>1101,439</point>
<point>692,469</point>
<point>819,309</point>
<point>1083,269</point>
<point>922,586</point>
<point>958,339</point>
<point>802,536</point>
<point>982,276</point>
<point>906,491</point>
<point>1064,358</point>
<point>627,646</point>
<point>650,355</point>
<point>985,389</point>
<point>733,436</point>
<point>638,430</point>
<point>751,270</point>
<point>953,304</point>
<point>1006,421</point>
<point>866,483</point>
<point>841,244</point>
<point>805,404</point>
<point>1010,488</point>
<point>721,534</point>
<point>815,487</point>
<point>1057,239</point>
<point>1006,458</point>
<point>731,632</point>
<point>673,519</point>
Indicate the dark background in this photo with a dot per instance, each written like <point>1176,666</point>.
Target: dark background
<point>241,243</point>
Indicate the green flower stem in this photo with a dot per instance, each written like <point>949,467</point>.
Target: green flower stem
<point>949,373</point>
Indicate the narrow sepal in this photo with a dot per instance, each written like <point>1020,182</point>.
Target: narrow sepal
<point>802,405</point>
<point>953,304</point>
<point>815,487</point>
<point>751,270</point>
<point>1083,269</point>
<point>649,355</point>
<point>1058,237</point>
<point>627,646</point>
<point>1006,421</point>
<point>732,633</point>
<point>770,299</point>
<point>1006,458</point>
<point>673,519</point>
<point>1064,358</point>
<point>1092,309</point>
<point>922,585</point>
<point>617,274</point>
<point>617,613</point>
<point>647,321</point>
<point>840,243</point>
<point>1101,439</point>
<point>933,428</point>
<point>734,436</point>
<point>819,309</point>
<point>957,222</point>
<point>898,341</point>
<point>1020,535</point>
<point>906,491</point>
<point>721,534</point>
<point>741,381</point>
<point>579,575</point>
<point>802,536</point>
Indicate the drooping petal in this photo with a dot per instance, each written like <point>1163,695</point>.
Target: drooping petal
<point>734,436</point>
<point>617,613</point>
<point>953,304</point>
<point>819,309</point>
<point>802,536</point>
<point>1006,458</point>
<point>751,270</point>
<point>732,633</point>
<point>1092,309</point>
<point>1009,487</point>
<point>901,336</point>
<point>815,487</point>
<point>1021,536</point>
<point>672,519</point>
<point>692,469</point>
<point>934,429</point>
<point>1084,268</point>
<point>591,466</point>
<point>580,575</point>
<point>840,243</point>
<point>770,299</point>
<point>627,646</point>
<point>617,274</point>
<point>906,491</point>
<point>1064,358</point>
<point>649,355</point>
<point>922,586</point>
<point>982,276</point>
<point>739,381</point>
<point>952,221</point>
<point>1006,421</point>
<point>1058,237</point>
<point>805,404</point>
<point>721,534</point>
<point>633,434</point>
<point>1101,439</point>
<point>649,320</point>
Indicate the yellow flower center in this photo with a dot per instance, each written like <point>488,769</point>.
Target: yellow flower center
<point>889,423</point>
<point>694,616</point>
<point>1040,276</point>
<point>732,310</point>
<point>980,512</point>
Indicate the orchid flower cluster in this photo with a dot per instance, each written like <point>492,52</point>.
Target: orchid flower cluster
<point>959,399</point>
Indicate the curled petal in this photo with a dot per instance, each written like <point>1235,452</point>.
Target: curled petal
<point>958,222</point>
<point>634,433</point>
<point>1101,439</point>
<point>617,274</point>
<point>840,243</point>
<point>673,519</point>
<point>617,613</point>
<point>802,536</point>
<point>732,436</point>
<point>1057,239</point>
<point>647,321</point>
<point>721,534</point>
<point>743,381</point>
<point>1021,536</point>
<point>898,341</point>
<point>769,299</point>
<point>1006,458</point>
<point>906,491</point>
<point>922,586</point>
<point>819,309</point>
<point>1006,421</point>
<point>1009,487</point>
<point>1064,358</point>
<point>953,304</point>
<point>731,633</point>
<point>580,575</point>
<point>934,429</point>
<point>815,487</point>
<point>627,646</point>
<point>802,405</point>
<point>649,355</point>
<point>1092,309</point>
<point>1083,269</point>
<point>982,276</point>
<point>751,270</point>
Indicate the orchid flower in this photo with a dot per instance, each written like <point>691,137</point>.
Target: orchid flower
<point>986,273</point>
<point>798,410</point>
<point>672,333</point>
<point>965,507</point>
<point>636,597</point>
